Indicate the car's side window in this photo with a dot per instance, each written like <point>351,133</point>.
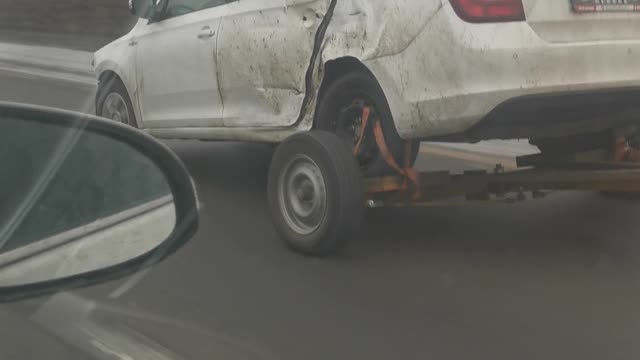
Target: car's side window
<point>183,7</point>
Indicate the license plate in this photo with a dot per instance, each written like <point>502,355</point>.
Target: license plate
<point>590,6</point>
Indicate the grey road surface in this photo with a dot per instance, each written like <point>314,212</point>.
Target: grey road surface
<point>557,278</point>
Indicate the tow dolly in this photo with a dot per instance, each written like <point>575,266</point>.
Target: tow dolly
<point>317,194</point>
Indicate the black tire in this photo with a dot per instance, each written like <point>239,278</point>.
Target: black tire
<point>343,209</point>
<point>356,86</point>
<point>113,84</point>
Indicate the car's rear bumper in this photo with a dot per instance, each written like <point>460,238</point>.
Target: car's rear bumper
<point>559,113</point>
<point>455,76</point>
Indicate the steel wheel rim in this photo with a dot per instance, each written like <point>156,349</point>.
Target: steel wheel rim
<point>302,195</point>
<point>115,108</point>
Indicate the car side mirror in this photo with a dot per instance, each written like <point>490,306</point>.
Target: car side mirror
<point>84,200</point>
<point>140,8</point>
<point>146,9</point>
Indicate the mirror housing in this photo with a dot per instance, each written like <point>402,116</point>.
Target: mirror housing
<point>145,9</point>
<point>72,220</point>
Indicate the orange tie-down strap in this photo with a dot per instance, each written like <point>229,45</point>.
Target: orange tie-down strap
<point>408,171</point>
<point>366,112</point>
<point>623,152</point>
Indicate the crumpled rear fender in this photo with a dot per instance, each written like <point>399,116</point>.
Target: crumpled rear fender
<point>373,32</point>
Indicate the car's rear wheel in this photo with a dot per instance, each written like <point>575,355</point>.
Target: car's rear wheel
<point>315,193</point>
<point>112,102</point>
<point>340,111</point>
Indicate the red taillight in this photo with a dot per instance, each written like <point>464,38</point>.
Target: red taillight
<point>482,11</point>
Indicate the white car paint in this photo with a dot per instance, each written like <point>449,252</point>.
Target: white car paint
<point>440,74</point>
<point>176,70</point>
<point>264,49</point>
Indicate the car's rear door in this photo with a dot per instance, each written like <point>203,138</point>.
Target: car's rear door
<point>264,50</point>
<point>176,67</point>
<point>566,21</point>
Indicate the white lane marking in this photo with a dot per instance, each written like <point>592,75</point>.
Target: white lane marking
<point>32,73</point>
<point>105,349</point>
<point>129,284</point>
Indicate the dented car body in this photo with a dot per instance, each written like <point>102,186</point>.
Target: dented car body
<point>254,70</point>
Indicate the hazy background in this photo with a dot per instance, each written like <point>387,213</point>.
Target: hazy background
<point>75,24</point>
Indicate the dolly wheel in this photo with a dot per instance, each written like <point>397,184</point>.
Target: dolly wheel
<point>315,193</point>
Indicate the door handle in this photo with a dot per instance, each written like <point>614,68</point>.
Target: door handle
<point>206,33</point>
<point>133,43</point>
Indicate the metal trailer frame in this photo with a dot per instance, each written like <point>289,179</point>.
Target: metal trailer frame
<point>537,175</point>
<point>444,188</point>
<point>607,163</point>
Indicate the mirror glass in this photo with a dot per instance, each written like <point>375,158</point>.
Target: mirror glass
<point>73,200</point>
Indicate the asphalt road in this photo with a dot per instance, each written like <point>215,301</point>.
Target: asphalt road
<point>549,279</point>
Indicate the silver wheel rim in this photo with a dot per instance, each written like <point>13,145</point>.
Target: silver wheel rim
<point>115,108</point>
<point>302,195</point>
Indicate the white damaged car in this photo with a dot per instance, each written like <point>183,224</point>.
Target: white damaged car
<point>556,72</point>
